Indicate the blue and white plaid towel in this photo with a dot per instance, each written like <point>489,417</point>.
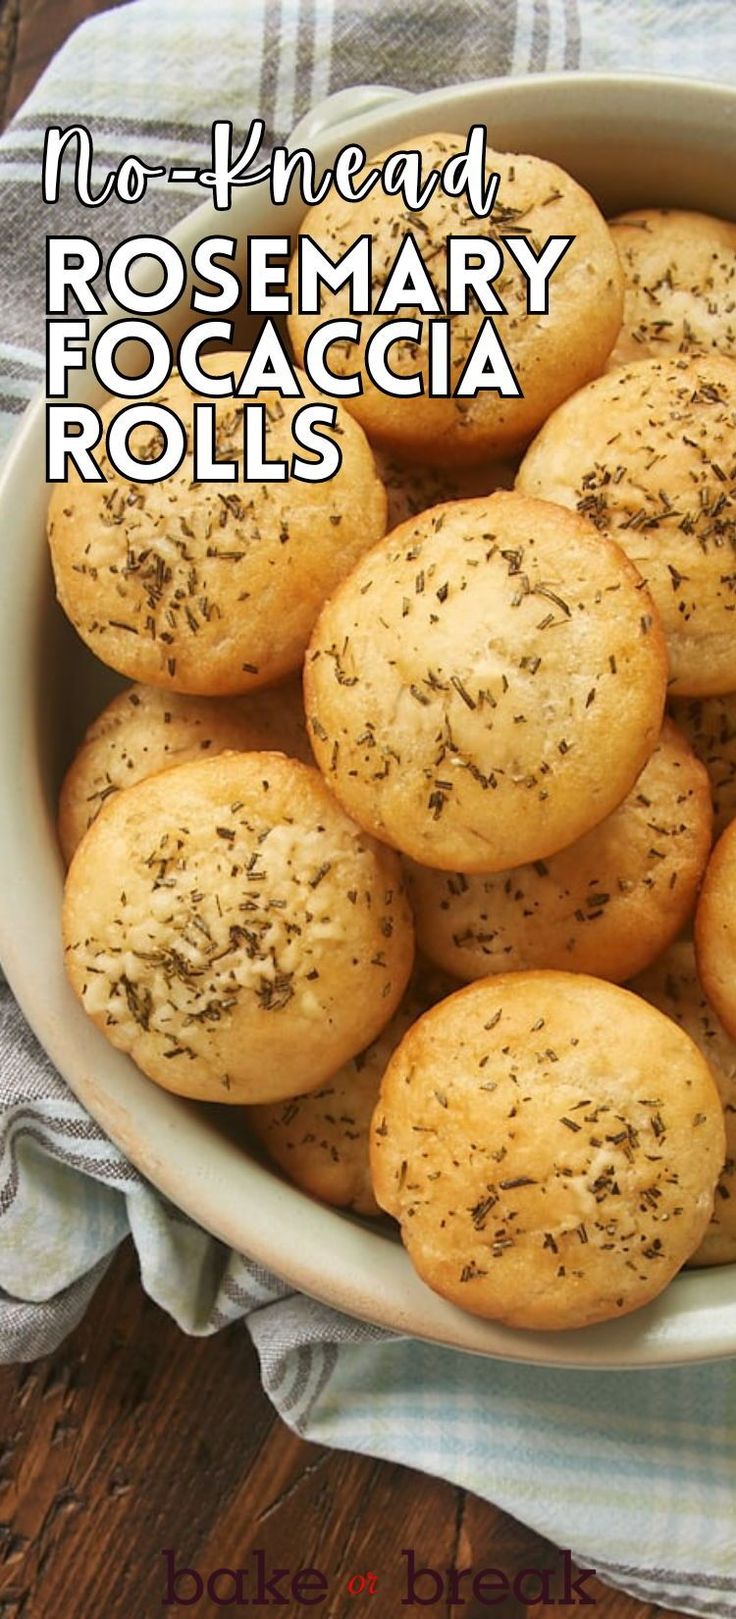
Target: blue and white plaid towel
<point>634,1471</point>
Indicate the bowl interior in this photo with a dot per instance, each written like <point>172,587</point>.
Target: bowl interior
<point>630,142</point>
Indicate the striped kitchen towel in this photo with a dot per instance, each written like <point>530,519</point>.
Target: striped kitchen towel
<point>634,1471</point>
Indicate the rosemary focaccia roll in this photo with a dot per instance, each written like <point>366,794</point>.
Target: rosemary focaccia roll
<point>487,685</point>
<point>680,280</point>
<point>551,354</point>
<point>550,1145</point>
<point>715,930</point>
<point>207,588</point>
<point>321,1140</point>
<point>710,725</point>
<point>227,926</point>
<point>672,984</point>
<point>608,905</point>
<point>144,730</point>
<point>648,453</point>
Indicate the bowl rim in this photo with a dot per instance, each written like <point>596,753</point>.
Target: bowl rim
<point>366,103</point>
<point>175,1145</point>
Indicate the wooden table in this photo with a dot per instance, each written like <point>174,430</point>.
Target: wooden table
<point>133,1438</point>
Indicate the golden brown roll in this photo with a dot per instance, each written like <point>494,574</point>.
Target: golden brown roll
<point>144,730</point>
<point>709,724</point>
<point>227,926</point>
<point>487,684</point>
<point>608,905</point>
<point>321,1140</point>
<point>551,354</point>
<point>680,277</point>
<point>715,930</point>
<point>648,453</point>
<point>672,985</point>
<point>551,1146</point>
<point>205,588</point>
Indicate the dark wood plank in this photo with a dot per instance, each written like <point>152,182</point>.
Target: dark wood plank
<point>9,14</point>
<point>134,1438</point>
<point>42,27</point>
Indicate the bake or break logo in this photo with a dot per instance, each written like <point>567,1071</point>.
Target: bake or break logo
<point>260,1585</point>
<point>252,279</point>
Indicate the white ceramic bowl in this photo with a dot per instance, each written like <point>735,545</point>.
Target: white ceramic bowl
<point>631,141</point>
